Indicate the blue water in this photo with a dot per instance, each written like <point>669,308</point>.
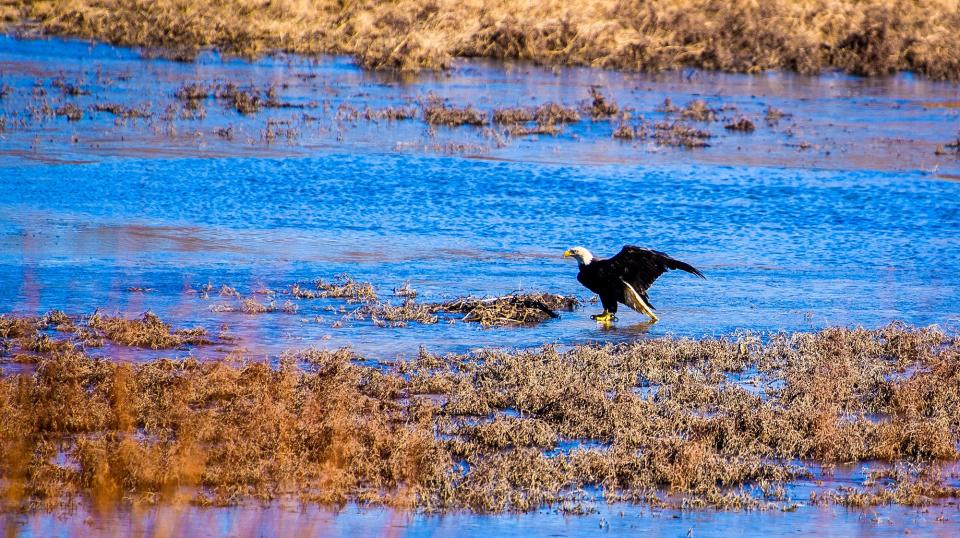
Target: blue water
<point>786,249</point>
<point>839,234</point>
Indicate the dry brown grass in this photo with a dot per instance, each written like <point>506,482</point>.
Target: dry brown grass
<point>741,124</point>
<point>679,134</point>
<point>869,37</point>
<point>600,106</point>
<point>697,110</point>
<point>149,331</point>
<point>438,113</point>
<point>122,111</point>
<point>384,314</point>
<point>667,422</point>
<point>514,309</point>
<point>484,432</point>
<point>548,118</point>
<point>342,286</point>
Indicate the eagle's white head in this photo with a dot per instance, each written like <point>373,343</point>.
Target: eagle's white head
<point>580,254</point>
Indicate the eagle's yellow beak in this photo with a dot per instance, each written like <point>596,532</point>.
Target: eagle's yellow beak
<point>567,253</point>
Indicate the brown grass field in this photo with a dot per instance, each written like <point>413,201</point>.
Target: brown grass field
<point>722,423</point>
<point>868,37</point>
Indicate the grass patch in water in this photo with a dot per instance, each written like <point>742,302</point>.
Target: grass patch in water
<point>513,309</point>
<point>148,331</point>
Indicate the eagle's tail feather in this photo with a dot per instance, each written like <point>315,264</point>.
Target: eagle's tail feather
<point>635,301</point>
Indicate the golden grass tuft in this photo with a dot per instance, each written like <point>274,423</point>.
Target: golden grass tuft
<point>149,331</point>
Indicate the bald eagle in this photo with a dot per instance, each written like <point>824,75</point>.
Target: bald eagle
<point>624,278</point>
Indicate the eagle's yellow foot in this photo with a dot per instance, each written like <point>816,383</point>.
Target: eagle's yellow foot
<point>605,317</point>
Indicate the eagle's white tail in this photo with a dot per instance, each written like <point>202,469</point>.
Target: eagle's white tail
<point>636,302</point>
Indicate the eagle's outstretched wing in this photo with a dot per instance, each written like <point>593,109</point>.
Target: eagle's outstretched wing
<point>640,267</point>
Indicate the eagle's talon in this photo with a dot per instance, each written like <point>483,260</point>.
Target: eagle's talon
<point>604,317</point>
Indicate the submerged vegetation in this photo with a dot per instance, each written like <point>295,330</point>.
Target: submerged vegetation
<point>722,423</point>
<point>870,37</point>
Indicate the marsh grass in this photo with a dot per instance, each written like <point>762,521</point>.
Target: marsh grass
<point>439,113</point>
<point>493,431</point>
<point>70,111</point>
<point>342,287</point>
<point>741,124</point>
<point>600,106</point>
<point>698,110</point>
<point>148,331</point>
<point>513,309</point>
<point>122,111</point>
<point>679,134</point>
<point>547,117</point>
<point>871,37</point>
<point>385,314</point>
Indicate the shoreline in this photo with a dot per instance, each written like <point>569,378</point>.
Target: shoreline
<point>867,38</point>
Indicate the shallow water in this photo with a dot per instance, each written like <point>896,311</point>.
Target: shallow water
<point>860,228</point>
<point>155,205</point>
<point>291,519</point>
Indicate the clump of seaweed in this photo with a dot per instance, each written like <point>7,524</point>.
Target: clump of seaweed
<point>548,116</point>
<point>148,331</point>
<point>245,102</point>
<point>513,309</point>
<point>69,88</point>
<point>193,92</point>
<point>536,129</point>
<point>741,124</point>
<point>667,107</point>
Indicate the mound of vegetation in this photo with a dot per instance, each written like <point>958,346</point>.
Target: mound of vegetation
<point>513,309</point>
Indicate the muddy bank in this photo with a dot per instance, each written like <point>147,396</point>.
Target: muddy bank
<point>867,38</point>
<point>666,423</point>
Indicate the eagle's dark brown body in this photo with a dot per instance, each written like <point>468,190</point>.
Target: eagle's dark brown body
<point>632,268</point>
